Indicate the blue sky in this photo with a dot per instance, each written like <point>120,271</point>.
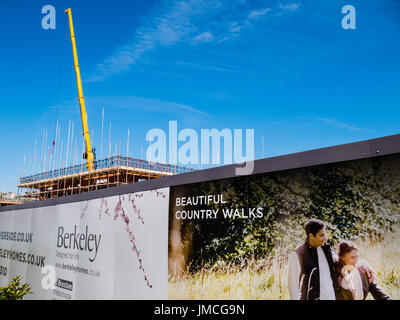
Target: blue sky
<point>286,69</point>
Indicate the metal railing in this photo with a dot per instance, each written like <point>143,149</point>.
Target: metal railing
<point>105,164</point>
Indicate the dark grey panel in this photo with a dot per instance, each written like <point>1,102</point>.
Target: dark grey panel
<point>346,152</point>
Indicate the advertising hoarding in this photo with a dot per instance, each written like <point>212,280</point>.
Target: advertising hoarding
<point>106,248</point>
<point>208,234</point>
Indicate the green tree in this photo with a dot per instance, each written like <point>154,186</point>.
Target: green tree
<point>15,291</point>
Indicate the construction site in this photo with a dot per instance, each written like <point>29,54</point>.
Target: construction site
<point>108,173</point>
<point>92,174</point>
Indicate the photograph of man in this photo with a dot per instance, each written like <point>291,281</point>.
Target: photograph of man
<point>312,266</point>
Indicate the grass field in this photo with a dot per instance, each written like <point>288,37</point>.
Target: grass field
<point>265,279</point>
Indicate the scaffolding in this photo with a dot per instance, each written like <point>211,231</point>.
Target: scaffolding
<point>8,202</point>
<point>10,198</point>
<point>109,172</point>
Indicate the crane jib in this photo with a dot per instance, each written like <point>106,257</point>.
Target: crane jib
<point>89,154</point>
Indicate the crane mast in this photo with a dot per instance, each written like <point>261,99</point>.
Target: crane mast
<point>89,154</point>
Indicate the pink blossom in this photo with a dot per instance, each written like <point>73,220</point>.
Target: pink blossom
<point>120,212</point>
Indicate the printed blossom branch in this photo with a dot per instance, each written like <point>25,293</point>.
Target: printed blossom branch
<point>158,193</point>
<point>104,207</point>
<point>84,209</point>
<point>119,212</point>
<point>132,198</point>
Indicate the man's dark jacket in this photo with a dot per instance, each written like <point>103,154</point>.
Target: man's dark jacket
<point>309,274</point>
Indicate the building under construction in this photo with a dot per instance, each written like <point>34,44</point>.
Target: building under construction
<point>107,173</point>
<point>8,198</point>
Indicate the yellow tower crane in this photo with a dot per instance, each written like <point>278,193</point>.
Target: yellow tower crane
<point>89,154</point>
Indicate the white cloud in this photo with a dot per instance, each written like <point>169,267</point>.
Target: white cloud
<point>235,27</point>
<point>179,21</point>
<point>256,14</point>
<point>203,38</point>
<point>207,67</point>
<point>168,25</point>
<point>339,124</point>
<point>70,109</point>
<point>142,104</point>
<point>289,7</point>
<point>335,123</point>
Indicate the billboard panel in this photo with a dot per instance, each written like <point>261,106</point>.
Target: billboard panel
<point>231,238</point>
<point>107,248</point>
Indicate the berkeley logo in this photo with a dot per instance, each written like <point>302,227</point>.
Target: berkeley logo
<point>81,241</point>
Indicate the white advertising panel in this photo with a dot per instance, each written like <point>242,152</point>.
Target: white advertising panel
<point>106,248</point>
